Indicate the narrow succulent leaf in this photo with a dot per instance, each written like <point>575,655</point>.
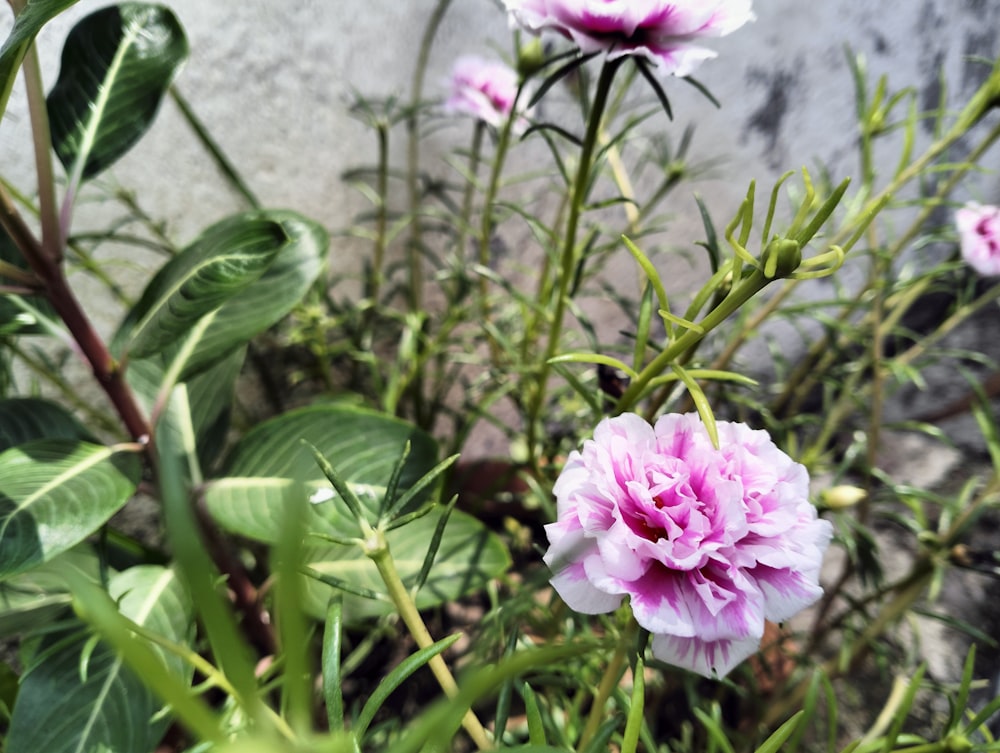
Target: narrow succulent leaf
<point>392,488</point>
<point>716,734</point>
<point>711,243</point>
<point>331,667</point>
<point>117,64</point>
<point>468,556</point>
<point>553,128</point>
<point>366,445</point>
<point>588,393</point>
<point>28,23</point>
<point>555,77</point>
<point>644,322</point>
<point>533,713</point>
<point>600,358</point>
<point>650,271</point>
<point>773,743</point>
<point>55,493</point>
<point>343,488</point>
<point>703,89</point>
<point>175,444</point>
<point>435,545</point>
<point>344,585</point>
<point>394,679</point>
<point>644,68</point>
<point>602,737</point>
<point>424,483</point>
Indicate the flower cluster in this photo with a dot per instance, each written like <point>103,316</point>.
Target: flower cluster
<point>484,89</point>
<point>979,236</point>
<point>663,31</point>
<point>706,543</point>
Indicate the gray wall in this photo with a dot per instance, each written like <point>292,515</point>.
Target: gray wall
<point>272,81</point>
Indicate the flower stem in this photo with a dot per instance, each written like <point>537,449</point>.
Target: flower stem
<point>414,257</point>
<point>739,295</point>
<point>52,234</point>
<point>609,681</point>
<point>377,549</point>
<point>568,258</point>
<point>486,226</point>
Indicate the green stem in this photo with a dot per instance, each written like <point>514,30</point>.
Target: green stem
<point>106,369</point>
<point>486,225</point>
<point>377,549</point>
<point>609,681</point>
<point>465,220</point>
<point>212,147</point>
<point>736,298</point>
<point>414,257</point>
<point>568,257</point>
<point>52,235</point>
<point>382,216</point>
<point>851,230</point>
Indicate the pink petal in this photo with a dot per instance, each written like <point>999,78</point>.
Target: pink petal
<point>708,658</point>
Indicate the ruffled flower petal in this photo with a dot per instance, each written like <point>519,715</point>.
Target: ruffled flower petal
<point>707,658</point>
<point>664,32</point>
<point>705,543</point>
<point>979,237</point>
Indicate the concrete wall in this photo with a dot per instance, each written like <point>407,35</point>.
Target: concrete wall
<point>273,80</point>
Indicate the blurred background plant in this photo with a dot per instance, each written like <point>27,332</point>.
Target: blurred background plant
<point>355,566</point>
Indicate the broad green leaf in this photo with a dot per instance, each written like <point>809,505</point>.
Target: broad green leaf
<point>73,703</point>
<point>116,66</point>
<point>55,493</point>
<point>221,263</point>
<point>469,556</point>
<point>23,419</point>
<point>259,305</point>
<point>210,393</point>
<point>364,446</point>
<point>28,23</point>
<point>38,597</point>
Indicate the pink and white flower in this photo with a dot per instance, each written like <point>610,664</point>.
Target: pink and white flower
<point>979,235</point>
<point>663,31</point>
<point>484,89</point>
<point>706,543</point>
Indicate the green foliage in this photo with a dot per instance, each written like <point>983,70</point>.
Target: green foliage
<point>54,493</point>
<point>116,66</point>
<point>341,575</point>
<point>79,696</point>
<point>29,21</point>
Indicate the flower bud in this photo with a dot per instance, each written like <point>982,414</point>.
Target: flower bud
<point>956,743</point>
<point>781,258</point>
<point>843,496</point>
<point>530,58</point>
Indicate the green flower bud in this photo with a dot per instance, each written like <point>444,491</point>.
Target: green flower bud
<point>530,59</point>
<point>956,743</point>
<point>781,258</point>
<point>843,496</point>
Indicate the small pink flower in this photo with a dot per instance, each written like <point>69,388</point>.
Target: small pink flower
<point>663,31</point>
<point>979,234</point>
<point>705,543</point>
<point>484,89</point>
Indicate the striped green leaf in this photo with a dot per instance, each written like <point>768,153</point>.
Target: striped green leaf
<point>55,493</point>
<point>117,64</point>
